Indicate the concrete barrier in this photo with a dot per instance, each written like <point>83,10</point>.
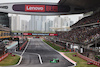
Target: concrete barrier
<point>3,56</point>
<point>23,45</point>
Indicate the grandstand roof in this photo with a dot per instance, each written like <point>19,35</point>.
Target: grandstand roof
<point>87,5</point>
<point>4,28</point>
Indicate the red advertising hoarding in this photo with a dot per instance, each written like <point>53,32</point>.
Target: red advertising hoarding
<point>42,34</point>
<point>51,34</point>
<point>35,8</point>
<point>3,57</point>
<point>52,8</point>
<point>15,36</point>
<point>27,33</point>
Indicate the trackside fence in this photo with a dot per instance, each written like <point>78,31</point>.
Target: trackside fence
<point>59,45</point>
<point>54,43</point>
<point>88,59</point>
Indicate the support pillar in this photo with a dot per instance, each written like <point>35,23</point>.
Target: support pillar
<point>81,50</point>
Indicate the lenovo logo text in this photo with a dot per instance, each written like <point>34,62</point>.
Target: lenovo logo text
<point>35,8</point>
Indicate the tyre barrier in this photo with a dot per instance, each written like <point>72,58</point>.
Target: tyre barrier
<point>4,56</point>
<point>88,59</point>
<point>23,45</point>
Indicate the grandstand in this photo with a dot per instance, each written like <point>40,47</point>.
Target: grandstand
<point>2,49</point>
<point>84,31</point>
<point>4,34</point>
<point>88,20</point>
<point>85,34</point>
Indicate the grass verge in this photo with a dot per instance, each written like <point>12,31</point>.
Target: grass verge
<point>80,62</point>
<point>54,46</point>
<point>10,60</point>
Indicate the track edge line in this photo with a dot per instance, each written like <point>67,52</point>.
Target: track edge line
<point>60,54</point>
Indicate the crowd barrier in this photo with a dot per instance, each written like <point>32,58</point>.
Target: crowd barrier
<point>55,44</point>
<point>67,49</point>
<point>88,59</point>
<point>23,45</point>
<point>3,56</point>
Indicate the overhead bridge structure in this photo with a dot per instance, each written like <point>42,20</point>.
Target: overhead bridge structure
<point>38,8</point>
<point>63,7</point>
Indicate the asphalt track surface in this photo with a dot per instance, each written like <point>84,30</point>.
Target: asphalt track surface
<point>37,47</point>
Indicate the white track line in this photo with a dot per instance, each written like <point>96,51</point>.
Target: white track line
<point>38,56</point>
<point>15,49</point>
<point>49,46</point>
<point>19,60</point>
<point>40,59</point>
<point>25,48</point>
<point>21,54</point>
<point>59,53</point>
<point>32,53</point>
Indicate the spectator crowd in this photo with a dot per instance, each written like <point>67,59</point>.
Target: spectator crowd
<point>88,20</point>
<point>84,34</point>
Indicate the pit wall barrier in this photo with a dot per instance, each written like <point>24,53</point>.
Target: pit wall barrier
<point>23,45</point>
<point>4,56</point>
<point>88,59</point>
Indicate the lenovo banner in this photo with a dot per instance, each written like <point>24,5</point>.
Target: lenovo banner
<point>40,8</point>
<point>35,8</point>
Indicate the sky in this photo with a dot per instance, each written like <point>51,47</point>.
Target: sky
<point>73,17</point>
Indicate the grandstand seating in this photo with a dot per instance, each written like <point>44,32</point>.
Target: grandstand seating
<point>95,18</point>
<point>84,34</point>
<point>81,35</point>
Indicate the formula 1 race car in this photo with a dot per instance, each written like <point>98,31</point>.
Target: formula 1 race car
<point>54,60</point>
